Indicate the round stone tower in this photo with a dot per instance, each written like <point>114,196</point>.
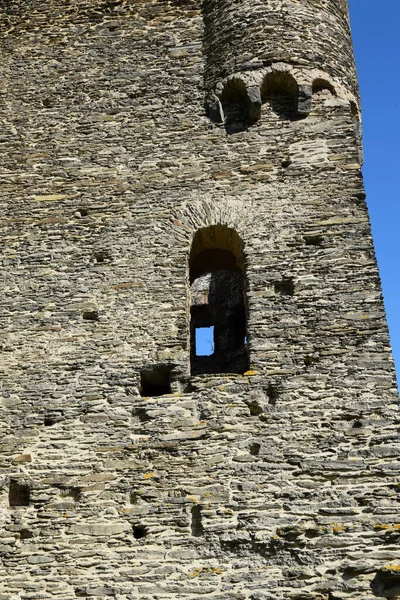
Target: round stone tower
<point>256,48</point>
<point>309,35</point>
<point>171,172</point>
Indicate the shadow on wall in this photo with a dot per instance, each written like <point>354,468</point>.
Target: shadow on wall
<point>386,583</point>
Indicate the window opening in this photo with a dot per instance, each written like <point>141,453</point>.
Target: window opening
<point>204,341</point>
<point>155,381</point>
<point>196,521</point>
<point>218,338</point>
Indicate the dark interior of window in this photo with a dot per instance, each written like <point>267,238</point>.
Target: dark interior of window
<point>155,381</point>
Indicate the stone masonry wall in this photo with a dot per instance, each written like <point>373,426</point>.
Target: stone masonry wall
<point>278,484</point>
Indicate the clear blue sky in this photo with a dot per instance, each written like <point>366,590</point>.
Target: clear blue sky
<point>376,36</point>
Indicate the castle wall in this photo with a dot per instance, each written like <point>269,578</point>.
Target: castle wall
<point>276,484</point>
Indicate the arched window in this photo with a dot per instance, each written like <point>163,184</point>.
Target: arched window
<point>218,341</point>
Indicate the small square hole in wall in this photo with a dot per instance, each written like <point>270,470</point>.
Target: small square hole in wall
<point>204,341</point>
<point>18,494</point>
<point>285,287</point>
<point>139,532</point>
<point>313,240</point>
<point>90,315</point>
<point>155,381</point>
<point>83,211</point>
<point>102,256</point>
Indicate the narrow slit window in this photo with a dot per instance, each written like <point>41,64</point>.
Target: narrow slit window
<point>204,341</point>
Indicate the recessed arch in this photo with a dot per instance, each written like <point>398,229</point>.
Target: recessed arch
<point>235,107</point>
<point>280,90</point>
<point>213,248</point>
<point>319,84</point>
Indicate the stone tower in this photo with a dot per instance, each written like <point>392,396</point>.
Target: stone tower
<point>170,167</point>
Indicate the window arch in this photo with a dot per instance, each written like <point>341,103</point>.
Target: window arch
<point>319,85</point>
<point>280,90</point>
<point>217,302</point>
<point>234,104</point>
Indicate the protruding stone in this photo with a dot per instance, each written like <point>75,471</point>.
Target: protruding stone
<point>254,99</point>
<point>304,99</point>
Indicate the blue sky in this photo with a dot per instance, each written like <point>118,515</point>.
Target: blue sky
<point>376,37</point>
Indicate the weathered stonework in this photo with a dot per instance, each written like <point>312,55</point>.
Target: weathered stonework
<point>126,127</point>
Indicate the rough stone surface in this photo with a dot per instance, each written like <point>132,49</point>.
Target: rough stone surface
<point>281,483</point>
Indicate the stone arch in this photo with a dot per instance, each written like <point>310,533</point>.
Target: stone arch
<point>218,247</point>
<point>235,106</point>
<point>217,301</point>
<point>280,90</point>
<point>319,84</point>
